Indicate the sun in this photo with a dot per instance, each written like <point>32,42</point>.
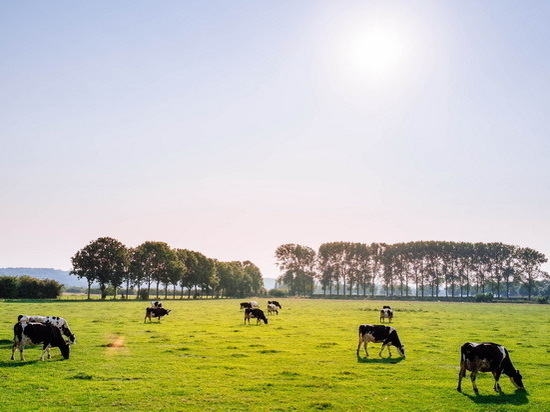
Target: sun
<point>376,52</point>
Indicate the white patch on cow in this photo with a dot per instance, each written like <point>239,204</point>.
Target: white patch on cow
<point>502,351</point>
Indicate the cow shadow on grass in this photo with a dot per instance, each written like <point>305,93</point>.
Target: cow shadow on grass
<point>17,363</point>
<point>6,343</point>
<point>379,360</point>
<point>520,397</point>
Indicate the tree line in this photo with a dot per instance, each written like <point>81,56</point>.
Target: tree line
<point>27,287</point>
<point>156,266</point>
<point>428,267</point>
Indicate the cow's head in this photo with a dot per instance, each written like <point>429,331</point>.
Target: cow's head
<point>517,380</point>
<point>401,350</point>
<point>67,332</point>
<point>65,350</point>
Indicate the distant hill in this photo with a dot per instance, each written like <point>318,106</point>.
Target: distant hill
<point>269,283</point>
<point>61,276</point>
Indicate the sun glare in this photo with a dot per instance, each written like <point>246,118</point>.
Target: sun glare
<point>377,48</point>
<point>376,52</point>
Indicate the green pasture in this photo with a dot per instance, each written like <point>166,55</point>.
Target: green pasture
<point>202,357</point>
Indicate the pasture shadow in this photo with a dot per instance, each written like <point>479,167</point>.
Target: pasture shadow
<point>6,343</point>
<point>519,397</point>
<point>379,360</point>
<point>17,363</point>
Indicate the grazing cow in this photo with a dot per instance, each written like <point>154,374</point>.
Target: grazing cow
<point>487,357</point>
<point>380,333</point>
<point>155,313</point>
<point>272,308</point>
<point>57,321</point>
<point>44,334</point>
<point>274,302</point>
<point>386,313</point>
<point>255,313</point>
<point>250,305</point>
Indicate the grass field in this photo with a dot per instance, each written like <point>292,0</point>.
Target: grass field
<point>202,357</point>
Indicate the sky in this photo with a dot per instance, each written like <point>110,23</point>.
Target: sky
<point>233,127</point>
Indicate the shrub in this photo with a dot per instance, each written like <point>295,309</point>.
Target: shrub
<point>27,287</point>
<point>543,300</point>
<point>484,297</point>
<point>8,287</point>
<point>277,293</point>
<point>144,294</point>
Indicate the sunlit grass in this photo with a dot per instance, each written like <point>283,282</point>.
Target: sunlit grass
<point>202,356</point>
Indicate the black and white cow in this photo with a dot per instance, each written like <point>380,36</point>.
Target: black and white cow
<point>57,321</point>
<point>274,302</point>
<point>155,313</point>
<point>254,313</point>
<point>44,334</point>
<point>272,308</point>
<point>379,333</point>
<point>386,313</point>
<point>156,304</point>
<point>250,305</point>
<point>487,357</point>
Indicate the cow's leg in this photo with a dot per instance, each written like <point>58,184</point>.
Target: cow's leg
<point>461,374</point>
<point>496,374</point>
<point>13,349</point>
<point>473,379</point>
<point>21,354</point>
<point>385,345</point>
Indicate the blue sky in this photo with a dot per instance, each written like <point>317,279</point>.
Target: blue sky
<point>233,127</point>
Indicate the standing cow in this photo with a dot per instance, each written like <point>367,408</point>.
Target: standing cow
<point>379,333</point>
<point>487,357</point>
<point>386,313</point>
<point>155,313</point>
<point>255,313</point>
<point>57,321</point>
<point>45,334</point>
<point>271,308</point>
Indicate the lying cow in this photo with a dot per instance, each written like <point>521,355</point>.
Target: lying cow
<point>45,334</point>
<point>155,313</point>
<point>386,313</point>
<point>272,308</point>
<point>380,333</point>
<point>156,304</point>
<point>255,313</point>
<point>487,357</point>
<point>57,321</point>
<point>274,302</point>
